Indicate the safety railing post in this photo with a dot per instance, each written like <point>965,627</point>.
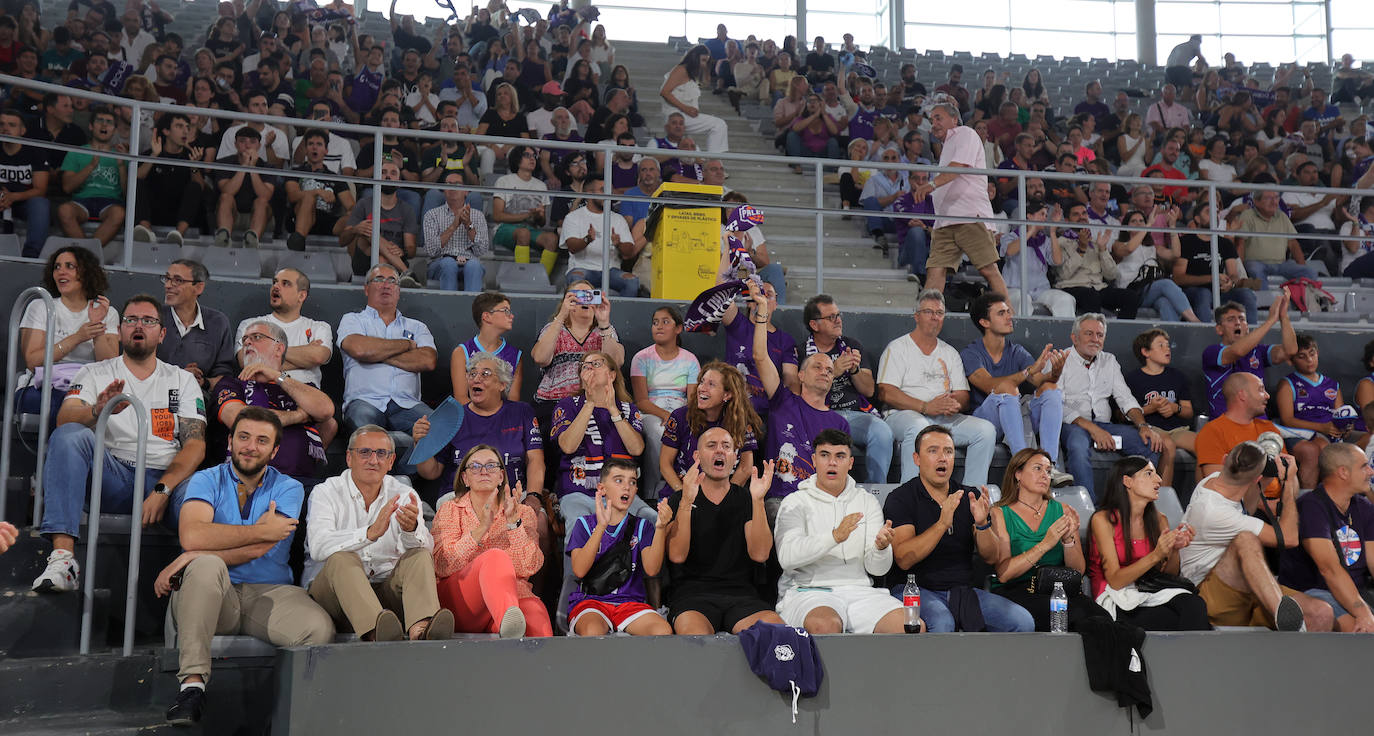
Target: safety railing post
<point>1215,244</point>
<point>606,218</point>
<point>820,228</point>
<point>376,245</point>
<point>1024,261</point>
<point>44,403</point>
<point>131,185</point>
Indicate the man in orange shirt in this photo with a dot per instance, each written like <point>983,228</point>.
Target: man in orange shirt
<point>1243,421</point>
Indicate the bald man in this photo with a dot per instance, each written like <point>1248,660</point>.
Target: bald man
<point>1243,420</point>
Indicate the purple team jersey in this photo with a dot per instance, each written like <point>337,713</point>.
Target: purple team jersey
<point>579,471</point>
<point>633,589</point>
<point>300,448</point>
<point>739,352</point>
<point>505,351</point>
<point>1253,362</point>
<point>792,425</point>
<point>677,434</point>
<point>513,430</point>
<point>1313,402</point>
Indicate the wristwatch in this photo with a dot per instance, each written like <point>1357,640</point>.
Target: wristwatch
<point>513,525</point>
<point>162,490</point>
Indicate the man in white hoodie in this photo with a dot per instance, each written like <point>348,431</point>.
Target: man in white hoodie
<point>830,538</point>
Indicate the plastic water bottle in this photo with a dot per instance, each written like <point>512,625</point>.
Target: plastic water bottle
<point>911,605</point>
<point>1059,610</point>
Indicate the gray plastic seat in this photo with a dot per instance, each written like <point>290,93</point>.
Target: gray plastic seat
<point>523,278</point>
<point>318,267</point>
<point>55,243</point>
<point>10,246</point>
<point>241,263</point>
<point>153,257</point>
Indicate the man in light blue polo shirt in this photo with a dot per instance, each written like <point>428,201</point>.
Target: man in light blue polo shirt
<point>384,353</point>
<point>236,524</point>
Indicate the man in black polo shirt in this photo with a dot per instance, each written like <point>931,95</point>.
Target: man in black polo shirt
<point>23,184</point>
<point>56,126</point>
<point>935,529</point>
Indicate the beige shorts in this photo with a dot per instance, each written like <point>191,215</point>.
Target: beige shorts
<point>1177,431</point>
<point>949,244</point>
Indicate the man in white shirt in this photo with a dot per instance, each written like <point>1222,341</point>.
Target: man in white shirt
<point>921,378</point>
<point>959,196</point>
<point>581,236</point>
<point>1313,213</point>
<point>309,342</point>
<point>133,40</point>
<point>368,552</point>
<point>274,149</point>
<point>174,424</point>
<point>1226,557</point>
<point>1090,377</point>
<point>1166,113</point>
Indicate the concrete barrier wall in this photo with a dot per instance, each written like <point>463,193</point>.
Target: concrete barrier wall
<point>1023,684</point>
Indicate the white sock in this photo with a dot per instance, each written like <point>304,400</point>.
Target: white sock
<point>189,685</point>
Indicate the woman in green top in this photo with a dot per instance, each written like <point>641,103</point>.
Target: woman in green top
<point>1033,529</point>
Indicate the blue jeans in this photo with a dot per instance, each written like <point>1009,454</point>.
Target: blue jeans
<point>999,614</point>
<point>877,224</point>
<point>397,420</point>
<point>447,269</point>
<point>1287,269</point>
<point>977,436</point>
<point>872,434</point>
<point>435,198</point>
<point>915,250</point>
<point>1078,448</point>
<point>795,148</point>
<point>1201,299</point>
<point>67,478</point>
<point>410,197</point>
<point>35,212</point>
<point>29,402</point>
<point>772,274</point>
<point>622,283</point>
<point>1167,298</point>
<point>1046,413</point>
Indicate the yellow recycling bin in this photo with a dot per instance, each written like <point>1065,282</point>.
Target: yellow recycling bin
<point>686,242</point>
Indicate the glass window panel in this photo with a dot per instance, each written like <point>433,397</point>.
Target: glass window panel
<point>1053,14</point>
<point>1350,14</point>
<point>1310,49</point>
<point>1173,18</point>
<point>867,28</point>
<point>646,4</point>
<point>1257,48</point>
<point>628,24</point>
<point>965,12</point>
<point>1352,41</point>
<point>762,7</point>
<point>956,39</point>
<point>703,25</point>
<point>1125,19</point>
<point>1308,21</point>
<point>869,7</point>
<point>1060,44</point>
<point>1253,18</point>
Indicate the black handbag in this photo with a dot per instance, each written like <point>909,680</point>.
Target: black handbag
<point>612,569</point>
<point>1154,581</point>
<point>1045,576</point>
<point>1149,272</point>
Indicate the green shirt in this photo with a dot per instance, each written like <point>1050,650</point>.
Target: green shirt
<point>1023,537</point>
<point>104,182</point>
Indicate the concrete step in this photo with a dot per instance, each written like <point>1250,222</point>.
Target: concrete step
<point>95,723</point>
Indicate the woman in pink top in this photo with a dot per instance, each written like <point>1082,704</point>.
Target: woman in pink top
<point>486,547</point>
<point>1130,538</point>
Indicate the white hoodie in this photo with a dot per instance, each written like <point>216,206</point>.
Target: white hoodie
<point>807,550</point>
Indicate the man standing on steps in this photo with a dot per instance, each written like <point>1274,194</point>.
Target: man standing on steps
<point>959,196</point>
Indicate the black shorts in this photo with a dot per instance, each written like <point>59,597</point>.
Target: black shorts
<point>324,223</point>
<point>722,610</point>
<point>1179,76</point>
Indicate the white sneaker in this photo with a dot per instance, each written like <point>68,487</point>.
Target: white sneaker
<point>512,623</point>
<point>62,575</point>
<point>1059,479</point>
<point>143,235</point>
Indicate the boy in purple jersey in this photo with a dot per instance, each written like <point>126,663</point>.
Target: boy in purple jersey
<point>1307,399</point>
<point>491,312</point>
<point>625,608</point>
<point>1241,351</point>
<point>263,383</point>
<point>739,346</point>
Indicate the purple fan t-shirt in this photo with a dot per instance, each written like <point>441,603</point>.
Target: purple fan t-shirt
<point>677,434</point>
<point>1253,362</point>
<point>513,430</point>
<point>300,449</point>
<point>505,351</point>
<point>739,352</point>
<point>633,589</point>
<point>1313,402</point>
<point>792,425</point>
<point>579,471</point>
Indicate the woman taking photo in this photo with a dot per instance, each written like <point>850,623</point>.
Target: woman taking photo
<point>85,326</point>
<point>1131,540</point>
<point>662,376</point>
<point>719,401</point>
<point>1035,531</point>
<point>486,549</point>
<point>681,92</point>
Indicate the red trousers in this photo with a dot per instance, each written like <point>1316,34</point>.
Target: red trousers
<point>480,594</point>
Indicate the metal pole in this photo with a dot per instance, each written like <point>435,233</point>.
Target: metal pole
<point>1025,305</point>
<point>93,515</point>
<point>1216,254</point>
<point>1146,43</point>
<point>820,229</point>
<point>376,198</point>
<point>44,402</point>
<point>135,531</point>
<point>131,187</point>
<point>606,219</point>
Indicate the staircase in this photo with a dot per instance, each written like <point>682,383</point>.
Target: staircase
<point>855,273</point>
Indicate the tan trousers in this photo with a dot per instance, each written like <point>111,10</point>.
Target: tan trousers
<point>208,604</point>
<point>343,590</point>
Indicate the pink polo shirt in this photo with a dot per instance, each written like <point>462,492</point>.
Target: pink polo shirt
<point>967,194</point>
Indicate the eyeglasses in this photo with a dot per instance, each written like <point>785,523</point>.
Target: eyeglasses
<point>388,280</point>
<point>591,364</point>
<point>367,453</point>
<point>576,161</point>
<point>483,373</point>
<point>176,281</point>
<point>932,312</point>
<point>256,337</point>
<point>502,310</point>
<point>836,317</point>
<point>484,467</point>
<point>529,154</point>
<point>145,321</point>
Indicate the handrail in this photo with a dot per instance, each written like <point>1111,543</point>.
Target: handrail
<point>135,525</point>
<point>45,402</point>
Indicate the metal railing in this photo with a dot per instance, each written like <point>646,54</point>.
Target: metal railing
<point>818,166</point>
<point>45,402</point>
<point>135,524</point>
